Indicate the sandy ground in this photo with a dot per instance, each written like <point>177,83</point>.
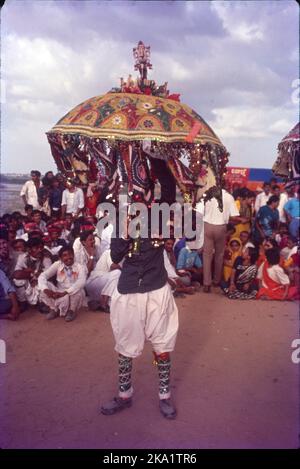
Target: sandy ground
<point>232,379</point>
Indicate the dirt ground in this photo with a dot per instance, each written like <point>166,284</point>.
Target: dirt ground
<point>233,381</point>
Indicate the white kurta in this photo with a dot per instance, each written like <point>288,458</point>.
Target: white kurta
<point>71,280</point>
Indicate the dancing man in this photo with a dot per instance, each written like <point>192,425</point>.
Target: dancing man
<point>142,308</point>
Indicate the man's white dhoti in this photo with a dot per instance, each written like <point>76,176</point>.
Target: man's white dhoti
<point>136,317</point>
<point>65,303</point>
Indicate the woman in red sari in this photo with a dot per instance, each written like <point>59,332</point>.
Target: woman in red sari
<point>274,282</point>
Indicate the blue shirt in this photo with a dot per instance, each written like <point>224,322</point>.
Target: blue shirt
<point>6,286</point>
<point>188,259</point>
<point>55,197</point>
<point>267,219</point>
<point>292,207</point>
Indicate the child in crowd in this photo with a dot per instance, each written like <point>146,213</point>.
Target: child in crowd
<point>245,241</point>
<point>282,236</point>
<point>290,249</point>
<point>67,297</point>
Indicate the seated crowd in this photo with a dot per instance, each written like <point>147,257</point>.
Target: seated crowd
<point>52,258</point>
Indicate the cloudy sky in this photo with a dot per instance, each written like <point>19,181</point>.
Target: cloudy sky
<point>236,63</point>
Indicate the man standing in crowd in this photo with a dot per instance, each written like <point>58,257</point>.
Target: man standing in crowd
<point>72,200</point>
<point>29,191</point>
<point>283,198</point>
<point>215,223</point>
<point>263,197</point>
<point>292,212</point>
<point>55,198</point>
<point>267,220</point>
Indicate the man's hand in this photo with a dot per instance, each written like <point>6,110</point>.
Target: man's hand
<point>33,282</point>
<point>59,294</point>
<point>49,293</point>
<point>91,250</point>
<point>115,267</point>
<point>183,273</point>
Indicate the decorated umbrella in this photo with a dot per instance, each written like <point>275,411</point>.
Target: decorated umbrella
<point>137,134</point>
<point>287,164</point>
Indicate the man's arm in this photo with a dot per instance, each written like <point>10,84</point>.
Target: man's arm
<point>63,204</point>
<point>257,203</point>
<point>259,228</point>
<point>44,276</point>
<point>80,202</point>
<point>119,248</point>
<point>23,193</point>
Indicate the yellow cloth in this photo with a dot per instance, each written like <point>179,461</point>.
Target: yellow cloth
<point>240,226</point>
<point>227,269</point>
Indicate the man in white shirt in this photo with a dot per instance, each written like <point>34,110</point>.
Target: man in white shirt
<point>29,191</point>
<point>263,197</point>
<point>215,223</point>
<point>68,296</point>
<point>72,200</point>
<point>283,198</point>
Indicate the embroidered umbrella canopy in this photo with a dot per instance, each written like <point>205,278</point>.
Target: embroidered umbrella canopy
<point>287,164</point>
<point>139,133</point>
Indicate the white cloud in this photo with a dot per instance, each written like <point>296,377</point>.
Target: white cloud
<point>237,28</point>
<point>255,122</point>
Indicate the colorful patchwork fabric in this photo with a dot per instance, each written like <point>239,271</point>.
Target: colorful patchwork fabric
<point>128,116</point>
<point>287,164</point>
